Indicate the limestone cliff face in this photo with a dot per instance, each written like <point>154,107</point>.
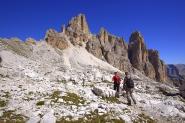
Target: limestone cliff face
<point>146,60</point>
<point>138,55</point>
<point>110,48</point>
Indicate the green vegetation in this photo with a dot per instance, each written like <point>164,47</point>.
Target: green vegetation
<point>11,117</point>
<point>55,96</point>
<point>73,99</point>
<point>142,118</point>
<point>93,117</point>
<point>111,99</point>
<point>3,103</point>
<point>40,103</point>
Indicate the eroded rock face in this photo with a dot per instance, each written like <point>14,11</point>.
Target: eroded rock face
<point>146,60</point>
<point>55,39</point>
<point>159,66</point>
<point>138,55</point>
<point>111,49</point>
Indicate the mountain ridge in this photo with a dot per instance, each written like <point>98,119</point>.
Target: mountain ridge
<point>111,48</point>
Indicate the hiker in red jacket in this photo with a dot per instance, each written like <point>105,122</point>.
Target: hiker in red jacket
<point>116,79</point>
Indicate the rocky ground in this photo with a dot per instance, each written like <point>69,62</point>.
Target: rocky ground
<point>47,85</point>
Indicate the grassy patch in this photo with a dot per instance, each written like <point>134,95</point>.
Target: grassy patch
<point>142,118</point>
<point>40,103</point>
<point>111,99</point>
<point>93,117</point>
<point>11,117</point>
<point>73,99</point>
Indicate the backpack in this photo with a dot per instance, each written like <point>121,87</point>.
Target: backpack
<point>130,83</point>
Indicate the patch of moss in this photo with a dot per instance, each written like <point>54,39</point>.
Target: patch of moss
<point>11,117</point>
<point>143,118</point>
<point>73,99</point>
<point>111,99</point>
<point>40,103</point>
<point>3,103</point>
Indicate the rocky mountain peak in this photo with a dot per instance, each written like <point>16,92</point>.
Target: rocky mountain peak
<point>136,37</point>
<point>137,50</point>
<point>103,34</point>
<point>79,24</point>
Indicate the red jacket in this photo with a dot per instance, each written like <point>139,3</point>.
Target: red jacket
<point>116,79</point>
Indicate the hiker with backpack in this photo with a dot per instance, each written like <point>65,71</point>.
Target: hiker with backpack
<point>129,87</point>
<point>117,80</point>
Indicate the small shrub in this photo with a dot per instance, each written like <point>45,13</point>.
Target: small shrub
<point>73,99</point>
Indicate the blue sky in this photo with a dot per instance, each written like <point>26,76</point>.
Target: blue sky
<point>161,22</point>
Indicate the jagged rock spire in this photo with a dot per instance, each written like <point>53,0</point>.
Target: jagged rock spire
<point>79,23</point>
<point>103,34</point>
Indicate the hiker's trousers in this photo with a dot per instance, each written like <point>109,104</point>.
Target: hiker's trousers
<point>116,86</point>
<point>129,93</point>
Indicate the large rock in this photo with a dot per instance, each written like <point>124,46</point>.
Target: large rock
<point>56,39</point>
<point>104,91</point>
<point>159,66</point>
